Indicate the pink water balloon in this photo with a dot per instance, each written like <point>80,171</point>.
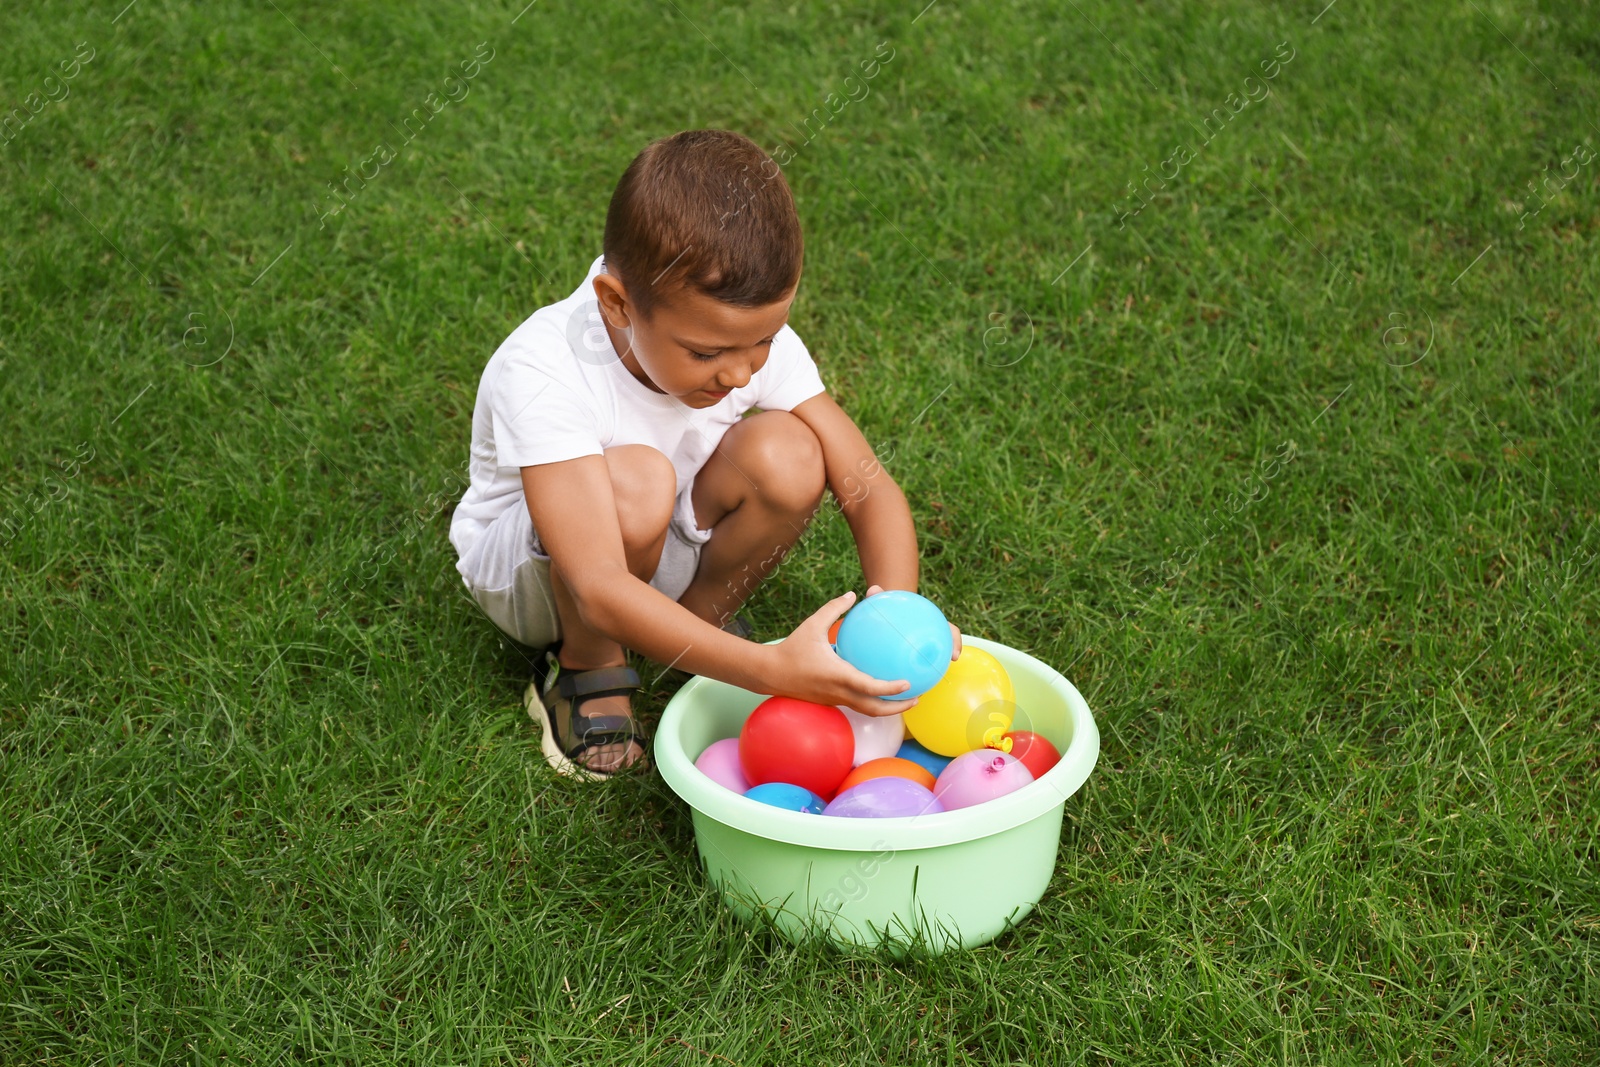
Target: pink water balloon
<point>884,798</point>
<point>974,777</point>
<point>720,763</point>
<point>877,736</point>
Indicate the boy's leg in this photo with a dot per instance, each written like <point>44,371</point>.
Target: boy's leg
<point>643,482</point>
<point>756,494</point>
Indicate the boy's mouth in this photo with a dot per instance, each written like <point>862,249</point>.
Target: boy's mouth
<point>715,394</point>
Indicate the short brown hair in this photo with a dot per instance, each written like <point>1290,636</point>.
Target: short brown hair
<point>707,209</point>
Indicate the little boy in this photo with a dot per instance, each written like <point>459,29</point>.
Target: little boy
<point>620,497</point>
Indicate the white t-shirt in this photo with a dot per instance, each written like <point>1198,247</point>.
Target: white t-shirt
<point>556,390</point>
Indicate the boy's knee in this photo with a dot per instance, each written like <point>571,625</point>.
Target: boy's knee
<point>788,457</point>
<point>645,485</point>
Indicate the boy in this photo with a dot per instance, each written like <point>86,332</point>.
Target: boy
<point>620,499</point>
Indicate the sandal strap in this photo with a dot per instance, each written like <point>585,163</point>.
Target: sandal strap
<point>602,730</point>
<point>595,724</point>
<point>602,681</point>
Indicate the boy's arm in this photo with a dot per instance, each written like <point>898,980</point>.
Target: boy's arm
<point>575,512</point>
<point>873,505</point>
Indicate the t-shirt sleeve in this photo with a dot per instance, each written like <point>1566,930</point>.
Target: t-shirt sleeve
<point>540,419</point>
<point>790,376</point>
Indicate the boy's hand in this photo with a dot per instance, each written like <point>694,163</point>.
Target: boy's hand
<point>955,634</point>
<point>808,668</point>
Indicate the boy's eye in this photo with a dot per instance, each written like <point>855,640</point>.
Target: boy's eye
<point>713,355</point>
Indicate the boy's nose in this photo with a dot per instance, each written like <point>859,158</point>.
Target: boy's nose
<point>735,377</point>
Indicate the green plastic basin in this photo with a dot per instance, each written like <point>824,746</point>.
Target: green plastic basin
<point>931,882</point>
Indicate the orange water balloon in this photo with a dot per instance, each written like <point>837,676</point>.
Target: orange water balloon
<point>888,767</point>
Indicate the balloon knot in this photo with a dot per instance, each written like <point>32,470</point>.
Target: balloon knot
<point>994,737</point>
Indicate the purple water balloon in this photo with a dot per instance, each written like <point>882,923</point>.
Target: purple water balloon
<point>884,798</point>
<point>974,777</point>
<point>876,735</point>
<point>720,763</point>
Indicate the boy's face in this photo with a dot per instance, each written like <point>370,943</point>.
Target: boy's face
<point>691,346</point>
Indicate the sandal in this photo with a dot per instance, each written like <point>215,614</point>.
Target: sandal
<point>739,626</point>
<point>561,700</point>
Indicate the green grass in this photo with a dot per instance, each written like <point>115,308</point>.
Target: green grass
<point>267,791</point>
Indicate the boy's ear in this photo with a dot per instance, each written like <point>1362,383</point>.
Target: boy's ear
<point>612,295</point>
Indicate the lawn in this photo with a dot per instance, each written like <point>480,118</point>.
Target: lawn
<point>1238,360</point>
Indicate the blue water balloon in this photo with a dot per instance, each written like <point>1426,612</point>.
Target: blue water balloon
<point>789,797</point>
<point>932,762</point>
<point>897,634</point>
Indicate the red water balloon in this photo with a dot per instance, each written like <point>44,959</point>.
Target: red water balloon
<point>796,741</point>
<point>1034,750</point>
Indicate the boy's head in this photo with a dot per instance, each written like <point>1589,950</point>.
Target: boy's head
<point>703,255</point>
<point>705,210</point>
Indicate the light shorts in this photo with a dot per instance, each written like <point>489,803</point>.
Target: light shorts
<point>508,573</point>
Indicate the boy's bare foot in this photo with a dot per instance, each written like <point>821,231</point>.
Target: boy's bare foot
<point>597,738</point>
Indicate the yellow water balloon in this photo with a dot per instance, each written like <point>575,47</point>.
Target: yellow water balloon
<point>972,706</point>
